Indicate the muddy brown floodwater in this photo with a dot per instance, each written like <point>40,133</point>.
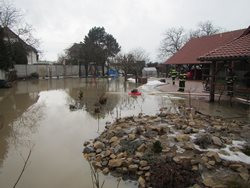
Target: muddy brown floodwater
<point>35,115</point>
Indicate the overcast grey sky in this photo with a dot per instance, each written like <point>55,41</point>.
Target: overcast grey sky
<point>134,23</point>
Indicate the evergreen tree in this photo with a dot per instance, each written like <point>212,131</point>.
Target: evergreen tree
<point>98,46</point>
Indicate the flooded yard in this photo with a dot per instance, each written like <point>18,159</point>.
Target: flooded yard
<point>35,116</point>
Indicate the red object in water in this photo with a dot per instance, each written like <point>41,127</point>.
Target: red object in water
<point>134,93</point>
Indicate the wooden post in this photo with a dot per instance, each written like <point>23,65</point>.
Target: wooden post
<point>212,81</point>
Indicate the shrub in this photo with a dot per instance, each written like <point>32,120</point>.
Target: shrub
<point>34,75</point>
<point>157,148</point>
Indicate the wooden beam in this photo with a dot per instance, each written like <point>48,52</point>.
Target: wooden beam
<point>212,81</point>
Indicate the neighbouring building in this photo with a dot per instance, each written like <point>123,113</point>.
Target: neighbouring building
<point>32,53</point>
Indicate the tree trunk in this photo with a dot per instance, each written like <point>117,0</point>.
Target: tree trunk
<point>86,70</point>
<point>103,71</point>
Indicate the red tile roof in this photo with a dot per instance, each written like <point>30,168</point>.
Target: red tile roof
<point>236,49</point>
<point>197,47</point>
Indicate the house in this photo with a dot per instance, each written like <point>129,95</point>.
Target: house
<point>32,53</point>
<point>197,47</point>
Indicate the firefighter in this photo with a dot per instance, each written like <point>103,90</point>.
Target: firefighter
<point>182,79</point>
<point>173,74</point>
<point>230,82</point>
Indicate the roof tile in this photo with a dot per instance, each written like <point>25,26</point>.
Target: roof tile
<point>197,47</point>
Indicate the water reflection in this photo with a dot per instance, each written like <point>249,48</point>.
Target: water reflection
<point>56,132</point>
<point>37,113</point>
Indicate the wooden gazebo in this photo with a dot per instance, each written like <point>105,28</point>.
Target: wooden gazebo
<point>236,51</point>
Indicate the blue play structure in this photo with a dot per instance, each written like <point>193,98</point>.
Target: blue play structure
<point>112,73</point>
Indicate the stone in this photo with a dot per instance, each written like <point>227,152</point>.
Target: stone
<point>195,168</point>
<point>124,169</point>
<point>90,155</point>
<point>196,186</point>
<point>120,155</point>
<point>216,141</point>
<point>133,167</point>
<point>208,181</point>
<point>97,164</point>
<point>143,163</point>
<point>188,146</point>
<point>131,136</point>
<point>86,143</point>
<point>146,168</point>
<point>204,159</point>
<point>105,171</point>
<point>182,138</point>
<point>212,154</point>
<point>151,134</point>
<point>98,150</point>
<point>107,153</point>
<point>242,170</point>
<point>188,130</point>
<point>139,173</point>
<point>179,159</point>
<point>195,130</point>
<point>194,161</point>
<point>191,123</point>
<point>115,162</point>
<point>208,166</point>
<point>104,163</point>
<point>147,174</point>
<point>235,166</point>
<point>244,176</point>
<point>142,148</point>
<point>138,154</point>
<point>98,145</point>
<point>211,163</point>
<point>166,149</point>
<point>113,139</point>
<point>142,182</point>
<point>112,156</point>
<point>117,148</point>
<point>88,149</point>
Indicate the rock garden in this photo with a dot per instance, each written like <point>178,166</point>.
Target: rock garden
<point>185,149</point>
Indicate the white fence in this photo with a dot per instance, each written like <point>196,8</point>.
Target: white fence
<point>49,70</point>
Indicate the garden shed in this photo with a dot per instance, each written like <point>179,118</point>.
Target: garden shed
<point>149,72</point>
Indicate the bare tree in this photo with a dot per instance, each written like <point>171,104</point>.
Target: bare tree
<point>13,18</point>
<point>128,64</point>
<point>204,29</point>
<point>140,54</point>
<point>61,58</point>
<point>174,39</point>
<point>9,15</point>
<point>207,28</point>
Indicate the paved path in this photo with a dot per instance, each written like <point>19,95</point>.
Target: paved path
<point>192,86</point>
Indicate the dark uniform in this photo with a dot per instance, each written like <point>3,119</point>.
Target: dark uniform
<point>173,74</point>
<point>230,82</point>
<point>182,79</point>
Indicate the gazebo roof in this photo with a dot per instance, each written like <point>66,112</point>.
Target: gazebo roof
<point>197,47</point>
<point>236,49</point>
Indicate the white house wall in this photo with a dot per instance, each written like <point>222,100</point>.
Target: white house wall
<point>32,57</point>
<point>2,75</point>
